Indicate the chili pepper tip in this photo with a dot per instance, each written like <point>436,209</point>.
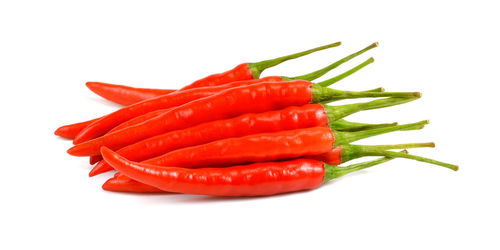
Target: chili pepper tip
<point>109,184</point>
<point>93,172</point>
<point>58,132</point>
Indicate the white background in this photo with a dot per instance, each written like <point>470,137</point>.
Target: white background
<point>446,49</point>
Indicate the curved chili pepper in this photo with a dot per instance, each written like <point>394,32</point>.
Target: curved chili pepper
<point>106,123</point>
<point>249,71</point>
<point>256,179</point>
<point>71,130</point>
<point>310,115</point>
<point>125,95</point>
<point>338,155</point>
<point>229,103</point>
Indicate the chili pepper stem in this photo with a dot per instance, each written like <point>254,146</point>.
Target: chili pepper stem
<point>318,73</point>
<point>322,94</point>
<point>348,137</point>
<point>343,125</point>
<point>376,90</point>
<point>337,112</point>
<point>332,172</point>
<point>350,152</point>
<point>258,67</point>
<point>380,89</point>
<point>333,80</point>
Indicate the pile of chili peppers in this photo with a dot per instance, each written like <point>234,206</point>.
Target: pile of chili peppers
<point>236,134</point>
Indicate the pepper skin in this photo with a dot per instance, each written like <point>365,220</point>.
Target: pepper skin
<point>232,102</point>
<point>122,183</point>
<point>125,95</point>
<point>94,159</point>
<point>258,179</point>
<point>139,119</point>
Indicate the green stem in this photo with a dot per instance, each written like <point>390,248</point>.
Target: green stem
<point>322,94</point>
<point>318,73</point>
<point>374,151</point>
<point>343,125</point>
<point>333,80</point>
<point>351,152</point>
<point>332,172</point>
<point>380,89</point>
<point>258,67</point>
<point>337,112</point>
<point>342,138</point>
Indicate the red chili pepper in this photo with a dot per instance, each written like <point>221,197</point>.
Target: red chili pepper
<point>71,130</point>
<point>125,95</point>
<point>341,125</point>
<point>178,98</point>
<point>248,71</point>
<point>282,145</point>
<point>310,115</point>
<point>256,179</point>
<point>341,154</point>
<point>229,103</point>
